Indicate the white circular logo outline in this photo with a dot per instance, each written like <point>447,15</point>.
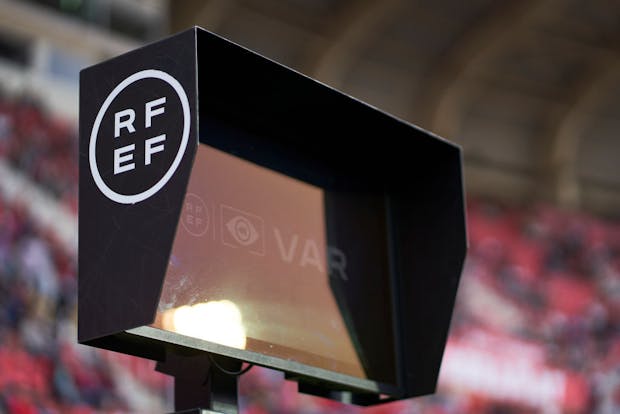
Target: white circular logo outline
<point>136,198</point>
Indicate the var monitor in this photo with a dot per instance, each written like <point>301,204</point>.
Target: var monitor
<point>230,206</point>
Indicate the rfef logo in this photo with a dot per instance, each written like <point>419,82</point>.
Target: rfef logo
<point>139,136</point>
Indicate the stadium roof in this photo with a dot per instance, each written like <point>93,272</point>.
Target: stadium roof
<point>529,89</point>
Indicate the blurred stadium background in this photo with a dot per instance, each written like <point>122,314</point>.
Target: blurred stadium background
<point>529,89</point>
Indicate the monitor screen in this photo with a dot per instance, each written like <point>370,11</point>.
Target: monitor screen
<point>274,265</point>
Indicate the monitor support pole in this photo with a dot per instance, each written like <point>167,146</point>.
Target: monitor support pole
<point>203,383</point>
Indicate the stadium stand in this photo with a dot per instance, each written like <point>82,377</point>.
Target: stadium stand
<point>43,146</point>
<point>536,328</point>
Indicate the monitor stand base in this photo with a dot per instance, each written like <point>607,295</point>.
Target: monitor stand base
<point>201,385</point>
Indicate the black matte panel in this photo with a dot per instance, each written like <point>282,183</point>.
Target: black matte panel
<point>124,248</point>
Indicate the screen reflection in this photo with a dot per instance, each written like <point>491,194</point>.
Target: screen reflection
<point>251,268</point>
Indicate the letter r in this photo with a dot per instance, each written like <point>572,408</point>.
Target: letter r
<point>130,117</point>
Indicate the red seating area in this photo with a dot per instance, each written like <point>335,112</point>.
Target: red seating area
<point>41,145</point>
<point>536,327</point>
<point>42,369</point>
<point>539,304</point>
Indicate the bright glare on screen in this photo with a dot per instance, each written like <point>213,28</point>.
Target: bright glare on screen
<point>255,266</point>
<point>217,321</point>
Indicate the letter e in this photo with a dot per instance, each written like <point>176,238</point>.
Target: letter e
<point>121,162</point>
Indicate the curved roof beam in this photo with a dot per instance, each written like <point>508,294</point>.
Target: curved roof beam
<point>330,62</point>
<point>449,84</point>
<point>567,127</point>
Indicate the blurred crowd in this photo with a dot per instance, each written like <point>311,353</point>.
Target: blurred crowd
<point>536,327</point>
<point>41,145</point>
<point>42,369</point>
<point>541,296</point>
